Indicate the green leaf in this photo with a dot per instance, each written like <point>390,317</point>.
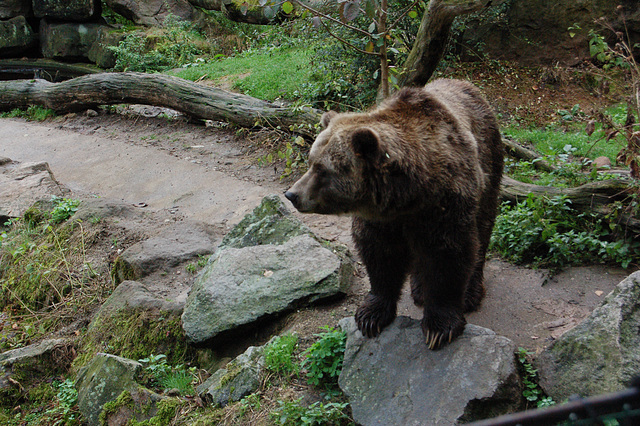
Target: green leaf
<point>287,7</point>
<point>413,14</point>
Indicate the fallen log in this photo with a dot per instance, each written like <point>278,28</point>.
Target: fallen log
<point>194,100</point>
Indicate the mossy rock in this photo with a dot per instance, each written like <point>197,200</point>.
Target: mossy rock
<point>269,223</point>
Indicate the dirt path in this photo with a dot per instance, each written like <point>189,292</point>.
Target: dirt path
<point>209,174</point>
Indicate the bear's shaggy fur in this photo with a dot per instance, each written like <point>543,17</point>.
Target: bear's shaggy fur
<point>421,176</point>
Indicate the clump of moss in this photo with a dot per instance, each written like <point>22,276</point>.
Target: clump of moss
<point>134,334</point>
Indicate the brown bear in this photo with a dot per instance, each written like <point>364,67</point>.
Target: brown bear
<point>421,176</point>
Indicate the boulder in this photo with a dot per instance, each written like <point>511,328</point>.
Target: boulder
<point>22,184</point>
<point>239,378</point>
<point>16,36</point>
<point>136,320</point>
<point>536,32</point>
<point>108,383</point>
<point>67,10</point>
<point>99,53</point>
<point>267,265</point>
<point>22,366</point>
<point>600,355</point>
<point>154,12</point>
<point>178,243</point>
<point>395,379</point>
<point>13,8</point>
<point>67,40</point>
<point>241,287</point>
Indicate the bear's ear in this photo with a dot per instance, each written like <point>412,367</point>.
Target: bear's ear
<point>366,143</point>
<point>326,118</point>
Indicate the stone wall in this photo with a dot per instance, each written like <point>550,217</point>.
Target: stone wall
<point>55,29</point>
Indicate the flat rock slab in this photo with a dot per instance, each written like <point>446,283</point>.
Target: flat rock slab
<point>602,353</point>
<point>22,184</point>
<point>395,380</point>
<point>240,286</point>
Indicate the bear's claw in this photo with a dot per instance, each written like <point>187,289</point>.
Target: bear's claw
<point>374,315</point>
<point>441,326</point>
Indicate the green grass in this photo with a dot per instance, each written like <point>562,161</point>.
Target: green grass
<point>265,74</point>
<point>553,142</point>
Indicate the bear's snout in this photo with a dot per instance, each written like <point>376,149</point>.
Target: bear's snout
<point>293,197</point>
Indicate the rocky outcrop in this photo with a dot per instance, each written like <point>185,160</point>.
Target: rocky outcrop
<point>154,12</point>
<point>13,8</point>
<point>109,394</point>
<point>22,184</point>
<point>600,355</point>
<point>262,270</point>
<point>67,40</point>
<point>239,378</point>
<point>23,366</point>
<point>67,10</point>
<point>536,32</point>
<point>16,36</point>
<point>176,244</point>
<point>395,379</point>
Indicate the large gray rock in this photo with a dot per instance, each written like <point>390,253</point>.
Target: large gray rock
<point>33,362</point>
<point>100,52</point>
<point>395,380</point>
<point>239,378</point>
<point>67,40</point>
<point>22,184</point>
<point>268,264</point>
<point>16,36</point>
<point>13,8</point>
<point>154,12</point>
<point>178,243</point>
<point>599,355</point>
<point>67,10</point>
<point>106,378</point>
<point>241,286</point>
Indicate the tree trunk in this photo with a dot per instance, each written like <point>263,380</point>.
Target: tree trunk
<point>433,35</point>
<point>192,99</point>
<point>584,197</point>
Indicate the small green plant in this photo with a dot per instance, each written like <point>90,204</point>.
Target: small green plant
<point>532,391</point>
<point>194,267</point>
<point>292,413</point>
<point>324,358</point>
<point>163,376</point>
<point>63,210</point>
<point>32,113</point>
<point>278,355</point>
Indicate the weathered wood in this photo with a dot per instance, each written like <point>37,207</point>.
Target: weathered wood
<point>587,196</point>
<point>515,150</point>
<point>44,68</point>
<point>192,99</point>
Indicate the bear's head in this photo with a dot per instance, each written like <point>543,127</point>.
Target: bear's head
<point>345,156</point>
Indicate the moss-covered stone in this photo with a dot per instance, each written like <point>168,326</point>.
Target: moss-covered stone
<point>124,271</point>
<point>24,368</point>
<point>135,333</point>
<point>269,223</point>
<point>600,355</point>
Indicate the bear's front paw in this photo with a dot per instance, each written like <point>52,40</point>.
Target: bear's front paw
<point>440,326</point>
<point>375,314</point>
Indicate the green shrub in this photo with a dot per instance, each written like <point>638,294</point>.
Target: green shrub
<point>292,413</point>
<point>278,355</point>
<point>324,358</point>
<point>174,47</point>
<point>163,376</point>
<point>549,232</point>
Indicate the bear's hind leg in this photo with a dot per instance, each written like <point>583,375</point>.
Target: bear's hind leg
<point>387,259</point>
<point>443,277</point>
